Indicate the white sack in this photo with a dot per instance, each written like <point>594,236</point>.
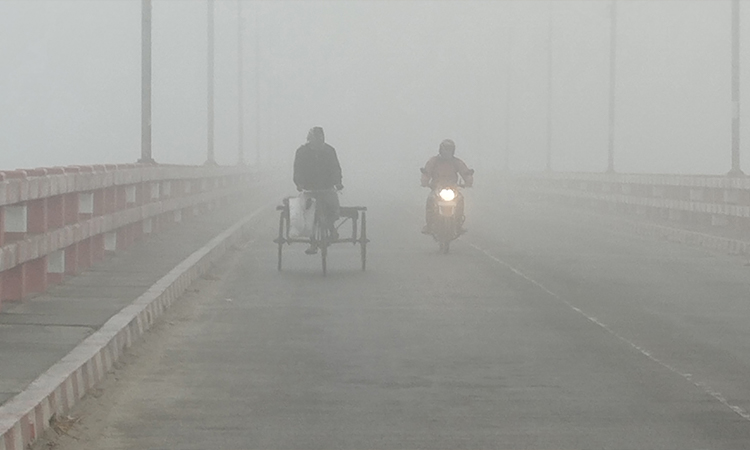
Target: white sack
<point>301,215</point>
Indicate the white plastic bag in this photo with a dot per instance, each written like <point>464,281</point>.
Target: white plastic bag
<point>301,215</point>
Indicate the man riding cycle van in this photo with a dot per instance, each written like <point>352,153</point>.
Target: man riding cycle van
<point>443,170</point>
<point>317,172</point>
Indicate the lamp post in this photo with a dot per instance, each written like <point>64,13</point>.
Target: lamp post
<point>549,91</point>
<point>612,73</point>
<point>146,83</point>
<point>508,74</point>
<point>257,85</point>
<point>736,170</point>
<point>210,81</point>
<point>240,79</point>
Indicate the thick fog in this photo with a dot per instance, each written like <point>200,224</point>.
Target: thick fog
<point>388,80</point>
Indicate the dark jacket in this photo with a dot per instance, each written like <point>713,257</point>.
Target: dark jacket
<point>316,168</point>
<point>439,172</point>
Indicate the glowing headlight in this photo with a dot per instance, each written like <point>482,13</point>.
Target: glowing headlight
<point>447,194</point>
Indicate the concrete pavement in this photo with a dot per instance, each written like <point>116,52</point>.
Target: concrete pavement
<point>57,345</point>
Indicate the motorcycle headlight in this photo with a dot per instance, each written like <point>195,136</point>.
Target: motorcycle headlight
<point>447,194</point>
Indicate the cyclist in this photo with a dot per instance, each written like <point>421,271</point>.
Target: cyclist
<point>317,169</point>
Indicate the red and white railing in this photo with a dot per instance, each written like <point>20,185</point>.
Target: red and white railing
<point>56,222</point>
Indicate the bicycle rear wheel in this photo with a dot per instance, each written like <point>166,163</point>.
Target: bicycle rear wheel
<point>323,246</point>
<point>363,241</point>
<point>280,240</point>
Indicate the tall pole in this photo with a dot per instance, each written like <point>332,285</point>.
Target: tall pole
<point>210,77</point>
<point>508,74</point>
<point>257,85</point>
<point>240,79</point>
<point>736,170</point>
<point>146,83</point>
<point>549,91</point>
<point>612,85</point>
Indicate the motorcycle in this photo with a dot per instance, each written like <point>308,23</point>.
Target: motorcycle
<point>447,220</point>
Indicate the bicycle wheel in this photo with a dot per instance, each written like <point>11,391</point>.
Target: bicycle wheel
<point>323,246</point>
<point>363,241</point>
<point>319,239</point>
<point>280,240</point>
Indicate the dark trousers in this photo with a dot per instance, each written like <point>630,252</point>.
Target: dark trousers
<point>327,204</point>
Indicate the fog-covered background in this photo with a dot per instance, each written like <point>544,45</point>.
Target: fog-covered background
<point>388,80</point>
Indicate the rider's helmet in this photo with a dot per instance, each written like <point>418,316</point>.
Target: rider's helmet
<point>316,135</point>
<point>447,148</point>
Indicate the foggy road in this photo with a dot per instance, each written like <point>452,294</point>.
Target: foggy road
<point>542,329</point>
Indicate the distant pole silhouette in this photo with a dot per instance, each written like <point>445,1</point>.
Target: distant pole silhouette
<point>549,91</point>
<point>240,80</point>
<point>612,85</point>
<point>508,74</point>
<point>146,83</point>
<point>736,170</point>
<point>257,85</point>
<point>210,79</point>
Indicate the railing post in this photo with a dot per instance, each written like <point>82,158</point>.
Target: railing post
<point>97,248</point>
<point>13,283</point>
<point>2,225</point>
<point>37,208</point>
<point>35,276</point>
<point>123,238</point>
<point>71,259</point>
<point>15,218</point>
<point>55,212</point>
<point>70,200</point>
<point>84,251</point>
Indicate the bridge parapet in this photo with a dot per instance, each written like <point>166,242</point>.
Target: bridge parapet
<point>700,200</point>
<point>58,221</point>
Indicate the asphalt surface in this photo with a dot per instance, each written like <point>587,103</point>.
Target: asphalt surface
<point>544,328</point>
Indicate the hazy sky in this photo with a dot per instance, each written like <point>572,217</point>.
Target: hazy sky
<point>388,80</point>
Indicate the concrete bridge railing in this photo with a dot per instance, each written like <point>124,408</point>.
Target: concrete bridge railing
<point>705,200</point>
<point>56,222</point>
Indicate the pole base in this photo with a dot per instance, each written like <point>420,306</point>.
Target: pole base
<point>147,161</point>
<point>736,173</point>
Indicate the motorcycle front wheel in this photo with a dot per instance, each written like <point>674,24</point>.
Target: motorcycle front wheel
<point>444,235</point>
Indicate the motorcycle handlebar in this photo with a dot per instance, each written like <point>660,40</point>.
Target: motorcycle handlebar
<point>462,186</point>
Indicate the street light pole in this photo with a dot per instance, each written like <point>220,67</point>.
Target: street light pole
<point>146,83</point>
<point>736,170</point>
<point>240,80</point>
<point>508,74</point>
<point>210,81</point>
<point>612,85</point>
<point>257,85</point>
<point>549,91</point>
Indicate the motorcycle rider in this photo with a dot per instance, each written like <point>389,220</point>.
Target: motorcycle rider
<point>317,169</point>
<point>441,170</point>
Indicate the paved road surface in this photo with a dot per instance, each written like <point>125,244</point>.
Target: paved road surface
<point>543,329</point>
